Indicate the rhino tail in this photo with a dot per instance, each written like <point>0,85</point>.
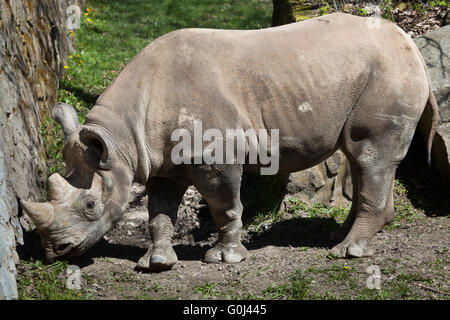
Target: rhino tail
<point>432,127</point>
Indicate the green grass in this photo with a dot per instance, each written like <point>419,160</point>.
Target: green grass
<point>404,208</point>
<point>351,284</point>
<point>207,290</point>
<point>296,207</point>
<point>118,30</point>
<point>297,289</point>
<point>37,281</point>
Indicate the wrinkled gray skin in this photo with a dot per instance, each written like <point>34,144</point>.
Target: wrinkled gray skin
<point>365,89</point>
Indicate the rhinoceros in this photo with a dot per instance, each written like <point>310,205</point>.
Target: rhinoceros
<point>328,83</point>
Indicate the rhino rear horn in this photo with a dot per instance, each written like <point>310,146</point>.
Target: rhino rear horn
<point>67,118</point>
<point>100,149</point>
<point>57,187</point>
<point>42,214</point>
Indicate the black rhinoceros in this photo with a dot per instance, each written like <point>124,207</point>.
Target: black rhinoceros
<point>333,82</point>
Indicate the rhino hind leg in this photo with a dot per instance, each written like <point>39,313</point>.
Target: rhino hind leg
<point>221,189</point>
<point>164,198</point>
<point>374,209</point>
<point>373,155</point>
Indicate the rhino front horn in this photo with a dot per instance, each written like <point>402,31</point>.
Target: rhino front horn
<point>42,214</point>
<point>67,118</point>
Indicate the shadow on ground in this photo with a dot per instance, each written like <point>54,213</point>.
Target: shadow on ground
<point>296,232</point>
<point>425,187</point>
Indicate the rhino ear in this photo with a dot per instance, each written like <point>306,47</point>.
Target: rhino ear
<point>67,118</point>
<point>42,214</point>
<point>100,149</point>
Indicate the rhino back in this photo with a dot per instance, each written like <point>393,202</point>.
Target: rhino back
<point>303,79</point>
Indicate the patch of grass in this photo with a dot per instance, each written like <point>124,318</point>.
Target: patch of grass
<point>298,207</point>
<point>439,3</point>
<point>404,208</point>
<point>157,287</point>
<point>387,9</point>
<point>439,264</point>
<point>143,296</point>
<point>339,272</point>
<point>207,290</point>
<point>36,281</point>
<point>52,138</point>
<point>324,9</point>
<point>337,213</point>
<point>297,289</point>
<point>126,277</point>
<point>294,205</point>
<point>410,277</point>
<point>347,283</point>
<point>267,218</point>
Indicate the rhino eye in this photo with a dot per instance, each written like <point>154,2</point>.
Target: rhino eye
<point>90,205</point>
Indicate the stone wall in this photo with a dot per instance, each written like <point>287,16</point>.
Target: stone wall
<point>34,44</point>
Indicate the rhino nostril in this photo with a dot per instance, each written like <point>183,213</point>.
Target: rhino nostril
<point>63,248</point>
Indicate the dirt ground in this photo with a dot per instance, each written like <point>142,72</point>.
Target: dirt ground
<point>413,260</point>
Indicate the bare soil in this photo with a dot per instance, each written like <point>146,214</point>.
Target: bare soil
<point>417,252</point>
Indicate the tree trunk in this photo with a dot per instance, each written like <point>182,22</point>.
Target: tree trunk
<point>282,13</point>
<point>287,11</point>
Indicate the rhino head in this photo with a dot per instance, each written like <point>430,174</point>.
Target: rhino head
<point>84,205</point>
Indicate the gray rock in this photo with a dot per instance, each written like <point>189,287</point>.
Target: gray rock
<point>328,183</point>
<point>435,49</point>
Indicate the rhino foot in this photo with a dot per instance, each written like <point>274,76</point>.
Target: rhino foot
<point>158,259</point>
<point>231,253</point>
<point>358,248</point>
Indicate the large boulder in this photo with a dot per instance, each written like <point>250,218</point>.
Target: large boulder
<point>328,183</point>
<point>435,49</point>
<point>34,44</point>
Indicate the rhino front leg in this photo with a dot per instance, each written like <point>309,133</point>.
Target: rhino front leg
<point>220,186</point>
<point>164,196</point>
